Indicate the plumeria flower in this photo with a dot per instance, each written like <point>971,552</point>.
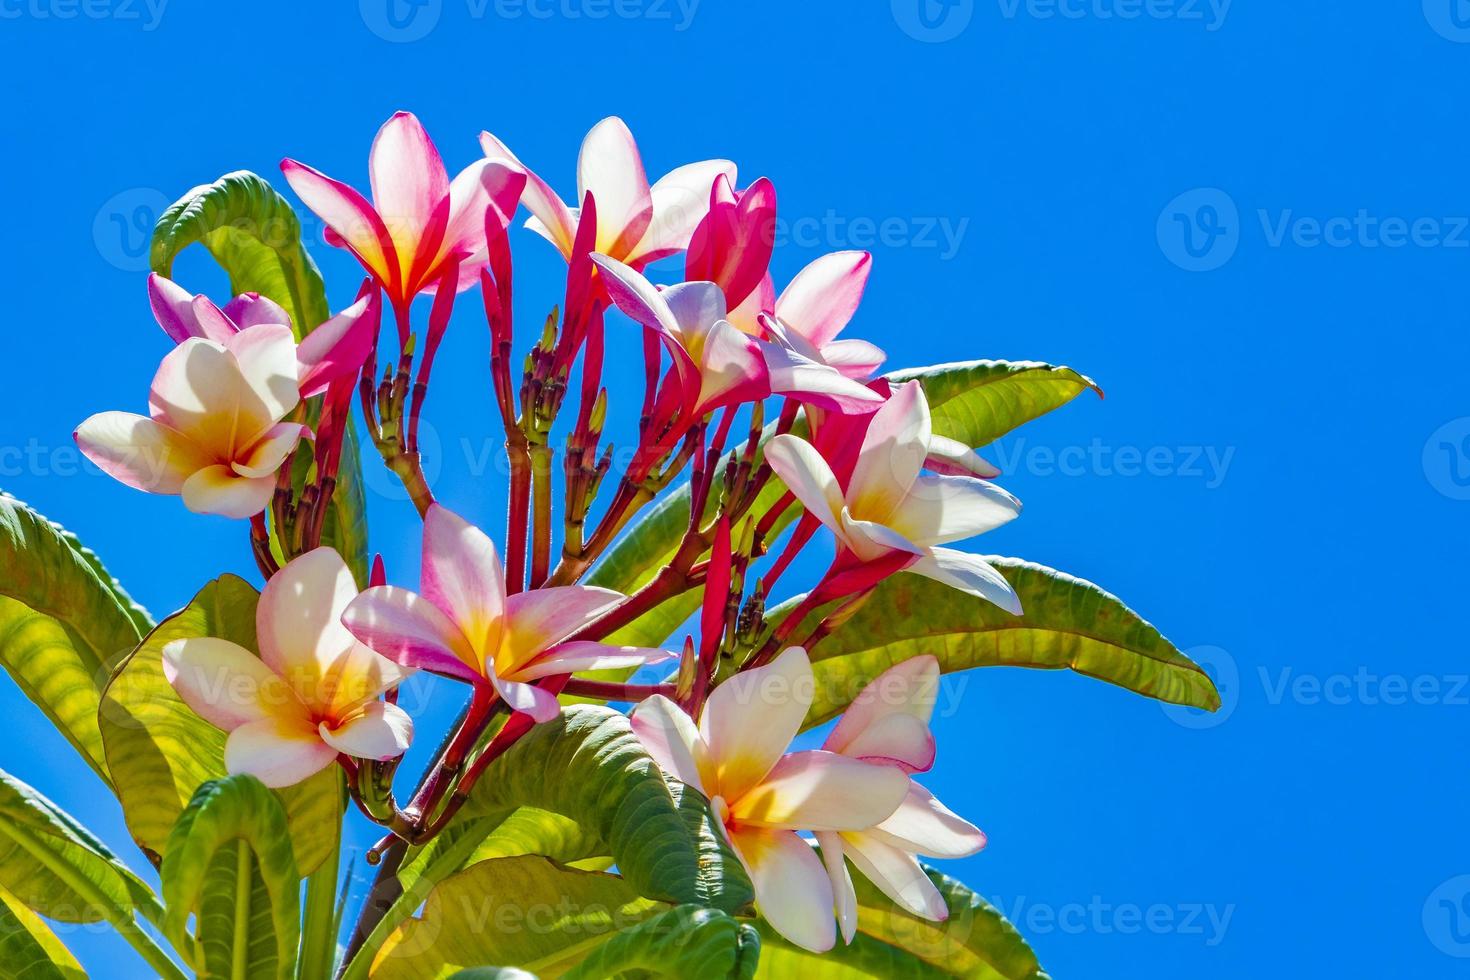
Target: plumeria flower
<point>887,510</point>
<point>888,723</point>
<point>716,364</point>
<point>419,222</point>
<point>313,692</point>
<point>736,756</point>
<point>462,624</point>
<point>636,224</point>
<point>215,430</point>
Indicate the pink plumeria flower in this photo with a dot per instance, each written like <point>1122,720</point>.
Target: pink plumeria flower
<point>887,510</point>
<point>462,624</point>
<point>636,224</point>
<point>419,222</point>
<point>735,756</point>
<point>810,313</point>
<point>214,432</point>
<point>888,724</point>
<point>716,364</point>
<point>312,694</point>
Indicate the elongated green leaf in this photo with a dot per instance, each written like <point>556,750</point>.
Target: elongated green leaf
<point>57,868</point>
<point>524,912</point>
<point>254,234</point>
<point>229,864</point>
<point>29,949</point>
<point>64,623</point>
<point>161,752</point>
<point>1067,624</point>
<point>682,942</point>
<point>664,845</point>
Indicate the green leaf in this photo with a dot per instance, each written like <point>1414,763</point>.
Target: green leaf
<point>683,942</point>
<point>56,867</point>
<point>29,949</point>
<point>664,845</point>
<point>254,234</point>
<point>161,752</point>
<point>1067,624</point>
<point>64,623</point>
<point>525,912</point>
<point>977,402</point>
<point>229,864</point>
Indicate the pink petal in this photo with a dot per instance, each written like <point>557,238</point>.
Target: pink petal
<point>339,347</point>
<point>823,297</point>
<point>671,737</point>
<point>897,874</point>
<point>817,790</point>
<point>923,825</point>
<point>750,719</point>
<point>807,475</point>
<point>225,684</point>
<point>409,183</point>
<point>611,169</point>
<point>381,731</point>
<point>461,574</point>
<point>252,309</point>
<point>140,452</point>
<point>219,490</point>
<point>680,201</point>
<point>554,220</point>
<point>278,752</point>
<point>842,891</point>
<point>968,573</point>
<point>267,455</point>
<point>893,452</point>
<point>792,890</point>
<point>349,215</point>
<point>410,630</point>
<point>910,687</point>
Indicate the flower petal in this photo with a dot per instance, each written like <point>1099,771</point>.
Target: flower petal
<point>569,658</point>
<point>909,688</point>
<point>610,167</point>
<point>380,731</point>
<point>349,215</point>
<point>807,475</point>
<point>680,202</point>
<point>461,574</point>
<point>410,630</point>
<point>823,297</point>
<point>817,790</point>
<point>844,895</point>
<point>225,684</point>
<point>267,455</point>
<point>893,452</point>
<point>671,737</point>
<point>897,874</point>
<point>279,752</point>
<point>140,452</point>
<point>923,825</point>
<point>409,183</point>
<point>941,509</point>
<point>220,490</point>
<point>792,890</point>
<point>751,718</point>
<point>553,220</point>
<point>968,573</point>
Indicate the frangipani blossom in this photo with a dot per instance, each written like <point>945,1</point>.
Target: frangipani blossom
<point>214,432</point>
<point>716,364</point>
<point>813,310</point>
<point>636,224</point>
<point>462,623</point>
<point>888,724</point>
<point>310,695</point>
<point>419,222</point>
<point>735,756</point>
<point>886,509</point>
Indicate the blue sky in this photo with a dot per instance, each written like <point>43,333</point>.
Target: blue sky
<point>1247,220</point>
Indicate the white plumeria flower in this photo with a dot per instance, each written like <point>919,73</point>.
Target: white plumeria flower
<point>736,756</point>
<point>889,723</point>
<point>636,224</point>
<point>310,695</point>
<point>889,506</point>
<point>462,623</point>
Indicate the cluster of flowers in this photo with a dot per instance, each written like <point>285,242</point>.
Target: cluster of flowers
<point>238,400</point>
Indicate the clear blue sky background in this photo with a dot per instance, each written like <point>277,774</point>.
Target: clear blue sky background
<point>1303,516</point>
